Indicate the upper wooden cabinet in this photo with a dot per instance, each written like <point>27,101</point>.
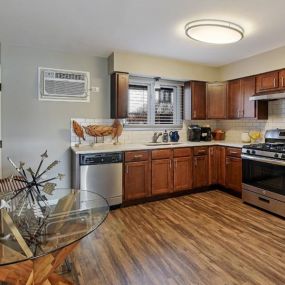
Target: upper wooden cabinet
<point>119,95</point>
<point>239,105</point>
<point>235,100</point>
<point>282,78</point>
<point>267,81</point>
<point>217,100</point>
<point>195,100</point>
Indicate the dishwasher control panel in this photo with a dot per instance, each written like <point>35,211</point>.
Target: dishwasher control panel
<point>101,158</point>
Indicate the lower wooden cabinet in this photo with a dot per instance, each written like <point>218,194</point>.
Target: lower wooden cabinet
<point>161,176</point>
<point>234,173</point>
<point>200,171</point>
<point>217,156</point>
<point>136,180</point>
<point>182,174</point>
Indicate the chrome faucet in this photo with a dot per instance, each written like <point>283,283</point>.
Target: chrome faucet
<point>156,136</point>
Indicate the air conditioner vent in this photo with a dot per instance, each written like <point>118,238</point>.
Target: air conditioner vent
<point>64,85</point>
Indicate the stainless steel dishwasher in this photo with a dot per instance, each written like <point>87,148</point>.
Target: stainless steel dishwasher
<point>101,173</point>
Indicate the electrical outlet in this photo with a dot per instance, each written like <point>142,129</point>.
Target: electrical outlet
<point>95,89</point>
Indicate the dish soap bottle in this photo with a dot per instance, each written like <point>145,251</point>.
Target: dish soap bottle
<point>165,136</point>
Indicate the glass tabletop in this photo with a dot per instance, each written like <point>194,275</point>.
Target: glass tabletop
<point>69,215</point>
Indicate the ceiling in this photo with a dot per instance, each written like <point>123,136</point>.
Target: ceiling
<point>155,27</point>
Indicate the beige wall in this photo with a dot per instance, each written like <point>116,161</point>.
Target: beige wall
<point>271,60</point>
<point>145,65</point>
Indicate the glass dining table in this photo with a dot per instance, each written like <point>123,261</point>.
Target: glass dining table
<point>32,248</point>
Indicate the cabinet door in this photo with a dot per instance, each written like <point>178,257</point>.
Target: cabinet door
<point>136,180</point>
<point>200,171</point>
<point>119,95</point>
<point>198,99</point>
<point>161,174</point>
<point>235,100</point>
<point>217,100</point>
<point>221,165</point>
<point>248,90</point>
<point>234,173</point>
<point>282,78</point>
<point>213,165</point>
<point>267,81</point>
<point>182,173</point>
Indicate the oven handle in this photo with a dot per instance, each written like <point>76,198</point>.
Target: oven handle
<point>263,159</point>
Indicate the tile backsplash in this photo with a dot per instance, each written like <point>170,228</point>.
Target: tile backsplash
<point>233,128</point>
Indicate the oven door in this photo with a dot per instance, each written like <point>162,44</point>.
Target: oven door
<point>264,176</point>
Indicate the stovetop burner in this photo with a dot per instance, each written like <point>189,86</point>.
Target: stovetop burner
<point>269,146</point>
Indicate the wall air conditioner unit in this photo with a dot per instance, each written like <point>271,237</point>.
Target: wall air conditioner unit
<point>63,85</point>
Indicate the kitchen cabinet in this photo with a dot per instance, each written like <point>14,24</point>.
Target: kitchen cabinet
<point>252,109</point>
<point>161,176</point>
<point>239,105</point>
<point>136,175</point>
<point>119,95</point>
<point>195,100</point>
<point>200,167</point>
<point>282,78</point>
<point>234,169</point>
<point>268,81</point>
<point>136,180</point>
<point>217,100</point>
<point>217,165</point>
<point>235,100</point>
<point>161,171</point>
<point>182,172</point>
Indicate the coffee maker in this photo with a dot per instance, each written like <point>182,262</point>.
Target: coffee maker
<point>206,134</point>
<point>194,133</point>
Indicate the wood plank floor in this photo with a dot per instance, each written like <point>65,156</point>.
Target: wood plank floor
<point>205,238</point>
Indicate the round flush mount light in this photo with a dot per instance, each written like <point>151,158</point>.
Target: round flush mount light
<point>214,31</point>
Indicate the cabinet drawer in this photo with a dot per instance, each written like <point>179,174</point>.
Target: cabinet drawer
<point>136,156</point>
<point>180,152</point>
<point>201,150</point>
<point>233,151</point>
<point>161,153</point>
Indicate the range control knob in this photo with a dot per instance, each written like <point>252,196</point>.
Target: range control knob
<point>253,152</point>
<point>283,156</point>
<point>248,151</point>
<point>276,155</point>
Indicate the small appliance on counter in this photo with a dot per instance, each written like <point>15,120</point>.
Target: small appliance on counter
<point>174,136</point>
<point>245,138</point>
<point>206,134</point>
<point>219,135</point>
<point>194,133</point>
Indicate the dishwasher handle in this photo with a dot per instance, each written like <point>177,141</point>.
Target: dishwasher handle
<point>101,158</point>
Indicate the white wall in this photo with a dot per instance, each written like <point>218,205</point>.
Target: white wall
<point>30,126</point>
<point>146,65</point>
<point>268,61</point>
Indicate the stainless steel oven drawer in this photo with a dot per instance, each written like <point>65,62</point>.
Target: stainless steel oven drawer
<point>264,202</point>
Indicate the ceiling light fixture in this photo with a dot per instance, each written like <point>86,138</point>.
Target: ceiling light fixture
<point>214,31</point>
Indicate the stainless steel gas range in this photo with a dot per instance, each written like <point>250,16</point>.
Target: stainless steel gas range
<point>263,173</point>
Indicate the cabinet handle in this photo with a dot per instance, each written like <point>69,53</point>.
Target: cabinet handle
<point>170,164</point>
<point>274,82</point>
<point>227,161</point>
<point>282,81</point>
<point>233,152</point>
<point>138,155</point>
<point>127,169</point>
<point>195,162</point>
<point>194,114</point>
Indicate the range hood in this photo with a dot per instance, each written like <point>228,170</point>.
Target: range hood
<point>268,97</point>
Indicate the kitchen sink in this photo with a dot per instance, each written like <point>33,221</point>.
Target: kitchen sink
<point>162,143</point>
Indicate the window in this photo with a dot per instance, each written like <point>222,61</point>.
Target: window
<point>149,107</point>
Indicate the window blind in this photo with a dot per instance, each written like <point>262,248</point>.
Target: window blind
<point>148,108</point>
<point>138,104</point>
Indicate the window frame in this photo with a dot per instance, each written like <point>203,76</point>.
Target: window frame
<point>177,101</point>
